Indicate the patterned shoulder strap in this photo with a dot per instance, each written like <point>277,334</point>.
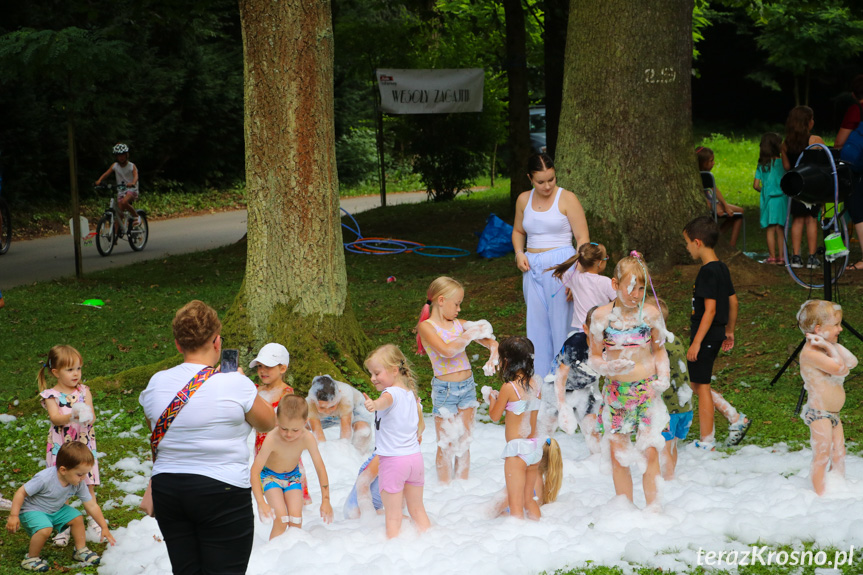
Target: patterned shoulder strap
<point>175,406</point>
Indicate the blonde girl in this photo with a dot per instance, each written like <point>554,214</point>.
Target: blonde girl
<point>634,360</point>
<point>69,404</point>
<point>401,472</point>
<point>518,398</point>
<point>444,337</point>
<point>549,478</point>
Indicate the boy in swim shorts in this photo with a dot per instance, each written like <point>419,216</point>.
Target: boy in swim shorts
<point>275,476</point>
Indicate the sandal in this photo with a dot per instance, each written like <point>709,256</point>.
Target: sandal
<point>770,260</point>
<point>34,564</point>
<point>855,267</point>
<point>86,556</point>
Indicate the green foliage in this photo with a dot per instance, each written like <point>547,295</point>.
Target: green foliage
<point>357,156</point>
<point>803,36</point>
<point>163,77</point>
<point>447,151</point>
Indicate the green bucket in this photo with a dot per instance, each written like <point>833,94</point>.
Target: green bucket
<point>834,247</point>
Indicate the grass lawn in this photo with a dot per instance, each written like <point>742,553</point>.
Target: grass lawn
<point>133,331</point>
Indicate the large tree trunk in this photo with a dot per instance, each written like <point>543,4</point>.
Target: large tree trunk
<point>625,140</point>
<point>295,288</point>
<point>554,41</point>
<point>516,74</point>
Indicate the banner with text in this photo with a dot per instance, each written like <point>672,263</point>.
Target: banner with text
<point>431,91</point>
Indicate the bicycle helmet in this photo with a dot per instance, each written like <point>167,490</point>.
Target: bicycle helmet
<point>121,149</point>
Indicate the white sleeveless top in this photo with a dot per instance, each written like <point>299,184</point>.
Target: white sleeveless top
<point>125,174</point>
<point>396,426</point>
<point>548,229</point>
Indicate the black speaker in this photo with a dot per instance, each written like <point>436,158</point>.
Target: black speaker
<point>812,180</point>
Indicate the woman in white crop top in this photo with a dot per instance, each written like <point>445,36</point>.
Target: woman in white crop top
<point>547,218</point>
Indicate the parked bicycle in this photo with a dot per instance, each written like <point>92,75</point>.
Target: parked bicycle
<point>114,225</point>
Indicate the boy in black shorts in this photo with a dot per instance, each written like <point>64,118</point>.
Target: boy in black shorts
<point>714,315</point>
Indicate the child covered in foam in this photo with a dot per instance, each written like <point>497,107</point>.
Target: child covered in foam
<point>824,363</point>
<point>334,403</point>
<point>627,345</point>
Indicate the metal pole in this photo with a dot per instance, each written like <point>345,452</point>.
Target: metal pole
<point>76,206</point>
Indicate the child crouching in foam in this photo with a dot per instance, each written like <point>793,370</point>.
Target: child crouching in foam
<point>636,364</point>
<point>677,399</point>
<point>40,506</point>
<point>275,474</point>
<point>824,363</point>
<point>519,399</point>
<point>576,386</point>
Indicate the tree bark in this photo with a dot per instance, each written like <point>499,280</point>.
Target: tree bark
<point>516,74</point>
<point>625,140</point>
<point>295,287</point>
<point>554,40</point>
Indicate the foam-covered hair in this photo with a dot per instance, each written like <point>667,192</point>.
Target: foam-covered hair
<point>815,312</point>
<point>324,388</point>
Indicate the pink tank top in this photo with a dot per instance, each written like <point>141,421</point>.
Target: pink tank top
<point>444,365</point>
<point>548,229</point>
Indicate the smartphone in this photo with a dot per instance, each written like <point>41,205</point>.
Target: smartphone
<point>230,359</point>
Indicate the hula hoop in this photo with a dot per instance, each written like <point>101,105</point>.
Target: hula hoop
<point>380,251</point>
<point>380,245</point>
<point>459,253</point>
<point>350,229</point>
<point>406,243</point>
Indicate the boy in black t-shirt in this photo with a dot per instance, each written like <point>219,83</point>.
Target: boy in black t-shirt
<point>714,315</point>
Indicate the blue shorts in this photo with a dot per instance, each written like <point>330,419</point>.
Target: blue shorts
<point>284,481</point>
<point>33,521</point>
<point>452,396</point>
<point>678,426</point>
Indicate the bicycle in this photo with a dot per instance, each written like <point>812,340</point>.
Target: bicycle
<point>5,224</point>
<point>113,226</point>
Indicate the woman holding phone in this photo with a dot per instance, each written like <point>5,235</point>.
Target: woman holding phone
<point>200,485</point>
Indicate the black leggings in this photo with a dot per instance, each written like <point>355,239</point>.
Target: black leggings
<point>208,525</point>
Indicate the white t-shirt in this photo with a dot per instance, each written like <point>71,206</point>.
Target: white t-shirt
<point>209,436</point>
<point>588,290</point>
<point>397,425</point>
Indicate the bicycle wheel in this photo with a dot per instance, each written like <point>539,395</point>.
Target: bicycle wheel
<point>5,227</point>
<point>139,233</point>
<point>105,234</point>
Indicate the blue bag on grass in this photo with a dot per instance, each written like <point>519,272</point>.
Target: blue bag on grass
<point>496,238</point>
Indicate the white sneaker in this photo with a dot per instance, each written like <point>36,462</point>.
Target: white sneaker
<point>5,504</point>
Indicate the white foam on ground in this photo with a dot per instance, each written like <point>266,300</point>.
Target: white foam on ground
<point>718,502</point>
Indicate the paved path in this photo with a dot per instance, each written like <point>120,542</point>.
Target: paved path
<point>52,258</point>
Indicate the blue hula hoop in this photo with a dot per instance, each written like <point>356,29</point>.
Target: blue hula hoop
<point>379,250</point>
<point>401,246</point>
<point>459,253</point>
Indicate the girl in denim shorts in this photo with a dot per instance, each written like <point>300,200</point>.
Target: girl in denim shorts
<point>445,337</point>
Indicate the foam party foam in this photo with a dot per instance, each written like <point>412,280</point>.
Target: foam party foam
<point>718,502</point>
